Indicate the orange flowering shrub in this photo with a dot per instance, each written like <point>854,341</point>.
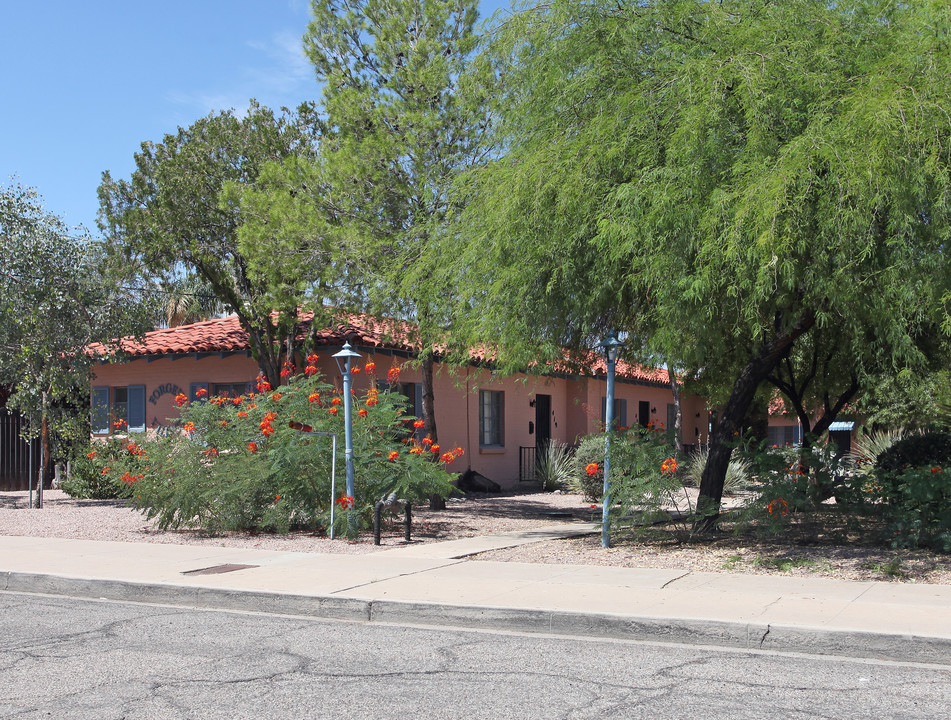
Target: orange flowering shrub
<point>231,460</point>
<point>644,476</point>
<point>111,469</point>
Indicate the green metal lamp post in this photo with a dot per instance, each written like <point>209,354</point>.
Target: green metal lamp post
<point>610,346</point>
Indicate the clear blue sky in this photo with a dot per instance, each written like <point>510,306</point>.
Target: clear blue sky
<point>83,84</point>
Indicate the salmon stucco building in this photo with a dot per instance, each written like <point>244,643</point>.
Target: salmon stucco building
<point>498,421</point>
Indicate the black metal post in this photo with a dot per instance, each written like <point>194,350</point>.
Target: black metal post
<point>408,523</point>
<point>377,512</point>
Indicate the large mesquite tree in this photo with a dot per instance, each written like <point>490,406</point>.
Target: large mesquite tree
<point>720,179</point>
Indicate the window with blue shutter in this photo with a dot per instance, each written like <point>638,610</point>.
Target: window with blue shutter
<point>620,412</point>
<point>136,419</point>
<point>118,409</point>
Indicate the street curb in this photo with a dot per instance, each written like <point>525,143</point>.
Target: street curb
<point>686,631</point>
<point>683,631</point>
<point>331,608</point>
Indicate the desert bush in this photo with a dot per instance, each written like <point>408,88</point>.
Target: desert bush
<point>238,464</point>
<point>777,495</point>
<point>645,483</point>
<point>927,449</point>
<point>590,451</point>
<point>913,491</point>
<point>869,446</point>
<point>919,509</point>
<point>108,468</point>
<point>737,472</point>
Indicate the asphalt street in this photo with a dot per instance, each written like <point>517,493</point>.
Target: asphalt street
<point>71,658</point>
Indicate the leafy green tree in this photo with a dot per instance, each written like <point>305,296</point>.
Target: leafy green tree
<point>174,213</point>
<point>397,129</point>
<point>53,304</point>
<point>908,401</point>
<point>721,179</point>
<point>827,374</point>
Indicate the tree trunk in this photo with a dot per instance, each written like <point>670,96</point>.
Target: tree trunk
<point>822,491</point>
<point>756,424</point>
<point>262,350</point>
<point>429,411</point>
<point>725,433</point>
<point>730,422</point>
<point>436,502</point>
<point>678,412</point>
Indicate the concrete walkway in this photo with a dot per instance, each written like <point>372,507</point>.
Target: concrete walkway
<point>433,585</point>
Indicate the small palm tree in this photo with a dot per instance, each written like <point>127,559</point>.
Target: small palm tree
<point>187,299</point>
<point>869,447</point>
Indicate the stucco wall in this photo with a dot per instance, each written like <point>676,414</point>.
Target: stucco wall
<point>575,402</point>
<point>164,378</point>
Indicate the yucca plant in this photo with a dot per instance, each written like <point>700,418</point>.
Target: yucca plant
<point>869,446</point>
<point>737,472</point>
<point>554,467</point>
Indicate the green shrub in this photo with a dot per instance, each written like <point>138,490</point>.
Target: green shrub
<point>928,449</point>
<point>779,488</point>
<point>107,469</point>
<point>645,483</point>
<point>918,507</point>
<point>590,451</point>
<point>237,464</point>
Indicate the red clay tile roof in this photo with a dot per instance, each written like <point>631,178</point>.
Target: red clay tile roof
<point>226,335</point>
<point>631,371</point>
<point>218,335</point>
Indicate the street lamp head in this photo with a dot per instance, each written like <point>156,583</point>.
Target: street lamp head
<point>610,346</point>
<point>345,355</point>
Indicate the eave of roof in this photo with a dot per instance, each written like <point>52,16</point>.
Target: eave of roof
<point>225,336</point>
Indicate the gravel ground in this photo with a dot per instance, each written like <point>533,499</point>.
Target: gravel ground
<point>470,516</point>
<point>806,554</point>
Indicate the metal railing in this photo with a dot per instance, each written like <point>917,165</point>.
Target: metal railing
<point>527,458</point>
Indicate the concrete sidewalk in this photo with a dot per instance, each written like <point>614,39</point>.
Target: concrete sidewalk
<point>431,585</point>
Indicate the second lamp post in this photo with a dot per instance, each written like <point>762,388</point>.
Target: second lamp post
<point>347,355</point>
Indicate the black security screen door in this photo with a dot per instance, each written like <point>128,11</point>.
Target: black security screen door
<point>542,420</point>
